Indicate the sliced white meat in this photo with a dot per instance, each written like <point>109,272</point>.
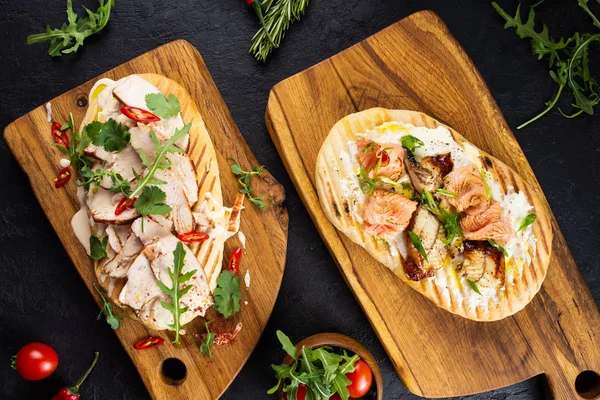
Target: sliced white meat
<point>97,152</point>
<point>81,228</point>
<point>163,221</point>
<point>142,141</point>
<point>183,219</point>
<point>155,314</point>
<point>113,239</point>
<point>141,138</point>
<point>102,206</point>
<point>119,265</point>
<point>430,232</point>
<point>151,230</point>
<point>141,284</point>
<point>125,162</point>
<point>132,91</point>
<point>184,171</point>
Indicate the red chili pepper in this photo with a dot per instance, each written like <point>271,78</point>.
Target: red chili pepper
<point>59,136</point>
<point>193,237</point>
<point>384,156</point>
<point>72,392</point>
<point>125,204</point>
<point>234,261</point>
<point>148,343</point>
<point>255,4</point>
<point>63,177</point>
<point>138,114</point>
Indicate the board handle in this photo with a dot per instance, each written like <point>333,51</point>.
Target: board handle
<point>585,385</point>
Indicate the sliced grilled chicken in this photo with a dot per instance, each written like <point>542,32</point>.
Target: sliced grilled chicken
<point>483,264</point>
<point>430,231</point>
<point>468,184</point>
<point>125,162</point>
<point>386,214</point>
<point>391,155</point>
<point>487,224</point>
<point>430,172</point>
<point>132,91</point>
<point>183,219</point>
<point>183,169</point>
<point>154,314</point>
<point>98,153</point>
<point>102,206</point>
<point>141,138</point>
<point>118,266</point>
<point>141,284</point>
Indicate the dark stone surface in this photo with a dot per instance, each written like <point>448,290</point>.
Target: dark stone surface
<point>42,298</point>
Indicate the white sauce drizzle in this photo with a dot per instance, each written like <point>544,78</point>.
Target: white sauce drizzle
<point>242,238</point>
<point>49,111</point>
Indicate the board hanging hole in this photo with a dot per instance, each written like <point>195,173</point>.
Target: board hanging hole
<point>82,101</point>
<point>587,384</point>
<point>173,371</point>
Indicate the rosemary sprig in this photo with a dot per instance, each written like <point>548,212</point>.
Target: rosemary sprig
<point>278,16</point>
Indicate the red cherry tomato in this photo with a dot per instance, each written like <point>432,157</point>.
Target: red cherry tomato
<point>335,397</point>
<point>361,378</point>
<point>36,361</point>
<point>301,393</point>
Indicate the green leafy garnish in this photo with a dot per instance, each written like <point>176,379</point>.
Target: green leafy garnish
<point>163,106</point>
<point>528,220</point>
<point>152,202</point>
<point>111,319</point>
<point>94,178</point>
<point>209,339</point>
<point>369,148</point>
<point>568,60</point>
<point>161,152</point>
<point>447,193</point>
<point>411,143</point>
<point>77,144</point>
<point>416,241</point>
<point>450,220</point>
<point>321,370</point>
<point>70,36</point>
<point>98,248</point>
<point>227,294</point>
<point>244,182</point>
<point>486,185</point>
<point>176,292</point>
<point>474,286</point>
<point>367,185</point>
<point>111,135</point>
<point>498,247</point>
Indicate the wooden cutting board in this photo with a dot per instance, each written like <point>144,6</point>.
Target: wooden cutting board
<point>416,64</point>
<point>266,231</point>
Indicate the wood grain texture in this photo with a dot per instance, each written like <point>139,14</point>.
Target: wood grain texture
<point>416,64</point>
<point>266,231</point>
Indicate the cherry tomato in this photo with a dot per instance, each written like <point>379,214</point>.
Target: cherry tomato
<point>36,361</point>
<point>301,393</point>
<point>361,378</point>
<point>335,397</point>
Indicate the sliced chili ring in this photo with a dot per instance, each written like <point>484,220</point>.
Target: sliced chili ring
<point>234,260</point>
<point>193,237</point>
<point>125,204</point>
<point>148,343</point>
<point>384,157</point>
<point>139,114</point>
<point>63,177</point>
<point>59,136</point>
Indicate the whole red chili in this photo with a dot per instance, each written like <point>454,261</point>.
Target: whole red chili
<point>255,4</point>
<point>72,392</point>
<point>148,343</point>
<point>139,114</point>
<point>234,261</point>
<point>59,136</point>
<point>63,177</point>
<point>193,237</point>
<point>125,204</point>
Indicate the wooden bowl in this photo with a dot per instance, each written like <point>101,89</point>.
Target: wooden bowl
<point>344,342</point>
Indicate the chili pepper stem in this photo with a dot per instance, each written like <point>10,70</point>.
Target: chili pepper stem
<point>258,9</point>
<point>75,388</point>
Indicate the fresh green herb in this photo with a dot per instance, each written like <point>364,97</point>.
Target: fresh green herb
<point>450,220</point>
<point>176,292</point>
<point>98,248</point>
<point>70,36</point>
<point>209,339</point>
<point>111,135</point>
<point>498,247</point>
<point>161,152</point>
<point>528,220</point>
<point>278,16</point>
<point>486,185</point>
<point>163,106</point>
<point>111,319</point>
<point>227,294</point>
<point>77,145</point>
<point>568,60</point>
<point>369,148</point>
<point>94,178</point>
<point>411,143</point>
<point>367,185</point>
<point>244,182</point>
<point>474,286</point>
<point>416,241</point>
<point>447,193</point>
<point>321,370</point>
<point>152,202</point>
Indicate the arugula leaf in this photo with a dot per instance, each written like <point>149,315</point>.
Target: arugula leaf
<point>111,319</point>
<point>209,339</point>
<point>474,286</point>
<point>176,292</point>
<point>98,248</point>
<point>528,220</point>
<point>498,247</point>
<point>163,106</point>
<point>286,344</point>
<point>161,152</point>
<point>94,177</point>
<point>70,36</point>
<point>416,241</point>
<point>244,182</point>
<point>411,143</point>
<point>227,294</point>
<point>152,202</point>
<point>111,135</point>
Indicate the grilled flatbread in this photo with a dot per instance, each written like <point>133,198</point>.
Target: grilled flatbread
<point>402,200</point>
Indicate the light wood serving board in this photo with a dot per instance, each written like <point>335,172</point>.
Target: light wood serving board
<point>266,231</point>
<point>416,64</point>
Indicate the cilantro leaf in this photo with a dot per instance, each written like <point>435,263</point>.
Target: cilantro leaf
<point>152,202</point>
<point>163,106</point>
<point>227,294</point>
<point>98,248</point>
<point>71,35</point>
<point>111,135</point>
